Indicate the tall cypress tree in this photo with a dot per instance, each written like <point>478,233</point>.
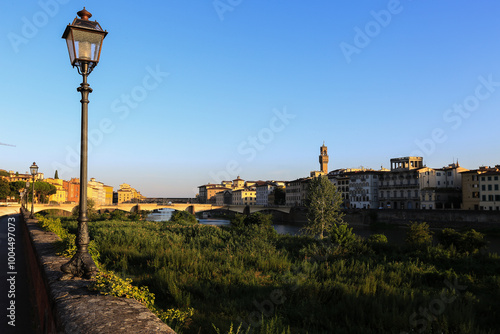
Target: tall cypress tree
<point>56,175</point>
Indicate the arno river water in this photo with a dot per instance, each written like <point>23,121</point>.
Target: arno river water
<point>395,235</point>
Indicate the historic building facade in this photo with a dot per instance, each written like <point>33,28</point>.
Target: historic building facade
<point>400,188</point>
<point>364,190</point>
<point>489,185</point>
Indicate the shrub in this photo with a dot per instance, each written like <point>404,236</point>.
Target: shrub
<point>108,283</point>
<point>377,239</point>
<point>469,241</point>
<point>342,235</point>
<point>255,225</point>
<point>118,215</point>
<point>419,235</point>
<point>183,217</point>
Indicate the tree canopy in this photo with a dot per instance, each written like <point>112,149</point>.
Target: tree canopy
<point>323,203</point>
<point>15,187</point>
<point>279,196</point>
<point>4,189</point>
<point>44,190</point>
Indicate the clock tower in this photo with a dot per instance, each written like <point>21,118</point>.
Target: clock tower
<point>323,159</point>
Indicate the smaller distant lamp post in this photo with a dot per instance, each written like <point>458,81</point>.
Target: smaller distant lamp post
<point>33,171</point>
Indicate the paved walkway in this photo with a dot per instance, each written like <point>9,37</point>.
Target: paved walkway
<point>14,285</point>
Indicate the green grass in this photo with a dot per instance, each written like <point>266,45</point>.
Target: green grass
<point>250,276</point>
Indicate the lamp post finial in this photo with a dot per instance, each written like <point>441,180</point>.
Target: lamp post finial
<point>84,14</point>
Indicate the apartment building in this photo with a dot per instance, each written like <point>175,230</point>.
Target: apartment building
<point>296,191</point>
<point>245,196</point>
<point>61,195</point>
<point>400,187</point>
<point>108,199</point>
<point>363,189</point>
<point>441,188</point>
<point>489,185</point>
<point>264,189</point>
<point>73,188</point>
<point>128,194</point>
<point>96,191</point>
<point>341,179</point>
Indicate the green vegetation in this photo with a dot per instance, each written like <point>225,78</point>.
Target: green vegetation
<point>4,189</point>
<point>43,190</point>
<point>468,242</point>
<point>279,196</point>
<point>11,189</point>
<point>323,207</point>
<point>419,236</point>
<point>107,282</point>
<point>248,279</point>
<point>183,218</point>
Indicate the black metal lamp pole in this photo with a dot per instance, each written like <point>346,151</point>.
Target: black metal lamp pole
<point>34,171</point>
<point>25,193</point>
<point>84,39</point>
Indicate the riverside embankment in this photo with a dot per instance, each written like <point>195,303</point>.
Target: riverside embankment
<point>67,306</point>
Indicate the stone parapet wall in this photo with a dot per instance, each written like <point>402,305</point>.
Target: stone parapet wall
<point>67,306</point>
<point>435,218</point>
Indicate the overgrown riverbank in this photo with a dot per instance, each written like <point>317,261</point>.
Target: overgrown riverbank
<point>249,275</point>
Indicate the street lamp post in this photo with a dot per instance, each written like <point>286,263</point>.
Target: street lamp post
<point>26,189</point>
<point>33,171</point>
<point>84,39</point>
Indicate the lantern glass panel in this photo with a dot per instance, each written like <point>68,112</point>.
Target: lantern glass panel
<point>87,45</point>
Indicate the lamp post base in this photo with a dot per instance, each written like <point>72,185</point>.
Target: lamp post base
<point>81,265</point>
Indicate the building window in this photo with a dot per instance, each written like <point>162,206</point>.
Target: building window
<point>483,187</point>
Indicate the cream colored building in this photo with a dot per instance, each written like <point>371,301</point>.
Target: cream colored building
<point>441,188</point>
<point>96,192</point>
<point>108,199</point>
<point>246,196</point>
<point>61,194</point>
<point>489,185</point>
<point>128,194</point>
<point>207,193</point>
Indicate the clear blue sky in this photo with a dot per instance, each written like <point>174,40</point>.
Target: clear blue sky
<point>190,91</point>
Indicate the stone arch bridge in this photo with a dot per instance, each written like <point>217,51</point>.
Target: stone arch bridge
<point>132,207</point>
